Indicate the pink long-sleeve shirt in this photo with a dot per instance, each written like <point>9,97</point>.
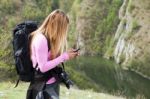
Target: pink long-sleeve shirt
<point>41,56</point>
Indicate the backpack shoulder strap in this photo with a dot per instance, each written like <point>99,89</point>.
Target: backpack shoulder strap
<point>17,82</point>
<point>48,43</point>
<point>63,65</point>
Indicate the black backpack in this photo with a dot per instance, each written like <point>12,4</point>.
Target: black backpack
<point>24,68</point>
<point>21,50</point>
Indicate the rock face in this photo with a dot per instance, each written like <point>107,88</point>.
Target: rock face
<point>124,48</point>
<point>127,42</point>
<point>132,38</point>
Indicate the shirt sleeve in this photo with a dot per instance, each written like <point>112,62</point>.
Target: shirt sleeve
<point>41,52</point>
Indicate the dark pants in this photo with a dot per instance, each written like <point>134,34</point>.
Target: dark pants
<point>52,91</point>
<point>40,90</point>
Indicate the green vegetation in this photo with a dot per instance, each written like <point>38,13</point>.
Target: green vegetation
<point>142,65</point>
<point>131,6</point>
<point>110,78</point>
<point>100,21</point>
<point>96,22</point>
<point>8,6</point>
<point>135,25</point>
<point>103,19</point>
<point>9,92</point>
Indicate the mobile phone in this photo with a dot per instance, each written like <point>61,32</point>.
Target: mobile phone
<point>77,50</point>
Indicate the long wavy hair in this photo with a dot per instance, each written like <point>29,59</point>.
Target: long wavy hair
<point>55,28</point>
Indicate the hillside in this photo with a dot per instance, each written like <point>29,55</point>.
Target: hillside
<point>113,36</point>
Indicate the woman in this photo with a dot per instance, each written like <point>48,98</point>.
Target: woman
<point>48,50</point>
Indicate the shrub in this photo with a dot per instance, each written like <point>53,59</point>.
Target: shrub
<point>135,25</point>
<point>31,13</point>
<point>9,6</point>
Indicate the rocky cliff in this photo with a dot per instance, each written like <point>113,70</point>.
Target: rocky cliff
<point>115,29</point>
<point>132,37</point>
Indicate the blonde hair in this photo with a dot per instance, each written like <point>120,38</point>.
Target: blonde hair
<point>55,28</point>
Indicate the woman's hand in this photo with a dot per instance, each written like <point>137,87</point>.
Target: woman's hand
<point>72,53</point>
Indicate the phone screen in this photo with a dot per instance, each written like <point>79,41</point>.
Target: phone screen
<point>77,50</point>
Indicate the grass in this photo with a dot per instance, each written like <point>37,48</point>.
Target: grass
<point>7,91</point>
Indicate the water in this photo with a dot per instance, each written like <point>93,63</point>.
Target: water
<point>111,78</point>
